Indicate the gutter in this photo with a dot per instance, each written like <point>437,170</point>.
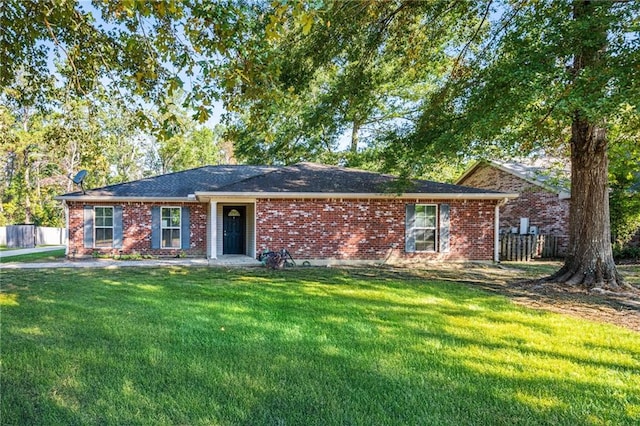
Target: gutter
<point>200,197</point>
<point>328,195</point>
<point>106,198</point>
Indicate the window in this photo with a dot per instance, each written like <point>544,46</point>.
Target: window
<point>425,227</point>
<point>170,226</point>
<point>428,228</point>
<point>103,227</point>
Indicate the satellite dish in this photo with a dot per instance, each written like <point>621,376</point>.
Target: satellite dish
<point>78,179</point>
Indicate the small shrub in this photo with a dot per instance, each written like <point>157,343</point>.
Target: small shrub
<point>626,253</point>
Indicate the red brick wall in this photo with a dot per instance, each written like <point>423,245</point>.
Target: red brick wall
<point>543,208</point>
<point>366,229</point>
<point>136,230</point>
<point>313,229</point>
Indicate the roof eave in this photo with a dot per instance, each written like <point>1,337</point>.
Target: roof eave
<point>326,195</point>
<point>107,198</point>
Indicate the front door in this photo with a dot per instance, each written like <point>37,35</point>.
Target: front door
<point>233,229</point>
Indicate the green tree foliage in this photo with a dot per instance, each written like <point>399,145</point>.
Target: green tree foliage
<point>512,77</point>
<point>360,70</point>
<point>624,176</point>
<point>41,149</point>
<point>544,74</point>
<point>416,80</point>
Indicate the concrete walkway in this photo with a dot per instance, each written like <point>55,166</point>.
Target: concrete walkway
<point>19,252</point>
<point>227,261</point>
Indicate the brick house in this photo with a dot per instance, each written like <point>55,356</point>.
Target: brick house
<point>544,196</point>
<point>319,213</point>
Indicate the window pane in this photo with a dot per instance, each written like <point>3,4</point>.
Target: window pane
<point>171,238</point>
<point>430,222</point>
<point>175,217</point>
<point>104,237</point>
<point>425,246</point>
<point>175,238</point>
<point>430,236</point>
<point>104,211</point>
<point>425,239</point>
<point>171,217</point>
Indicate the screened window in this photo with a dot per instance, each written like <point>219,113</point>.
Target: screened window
<point>170,225</point>
<point>425,227</point>
<point>103,226</point>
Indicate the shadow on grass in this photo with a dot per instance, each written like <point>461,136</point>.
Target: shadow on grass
<point>194,346</point>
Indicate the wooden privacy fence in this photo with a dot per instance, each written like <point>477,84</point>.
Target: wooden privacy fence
<point>526,247</point>
<point>27,236</point>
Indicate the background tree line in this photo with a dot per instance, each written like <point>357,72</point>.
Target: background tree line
<point>43,146</point>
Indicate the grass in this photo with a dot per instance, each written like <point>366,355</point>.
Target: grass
<point>306,346</point>
<point>47,256</point>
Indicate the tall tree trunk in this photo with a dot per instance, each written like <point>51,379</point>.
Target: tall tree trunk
<point>589,260</point>
<point>355,130</point>
<point>27,166</point>
<point>27,187</point>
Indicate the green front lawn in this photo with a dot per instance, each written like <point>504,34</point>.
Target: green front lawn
<point>305,346</point>
<point>46,256</point>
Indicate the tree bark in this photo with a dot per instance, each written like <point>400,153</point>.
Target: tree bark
<point>355,137</point>
<point>589,260</point>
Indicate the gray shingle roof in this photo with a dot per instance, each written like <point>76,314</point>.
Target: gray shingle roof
<point>299,178</point>
<point>317,178</point>
<point>179,184</point>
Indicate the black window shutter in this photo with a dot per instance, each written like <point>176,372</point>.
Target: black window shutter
<point>155,227</point>
<point>117,227</point>
<point>409,236</point>
<point>88,226</point>
<point>445,220</point>
<point>185,228</point>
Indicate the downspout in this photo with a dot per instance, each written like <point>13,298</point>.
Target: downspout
<point>496,230</point>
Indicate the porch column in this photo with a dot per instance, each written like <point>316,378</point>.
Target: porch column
<point>212,252</point>
<point>496,230</point>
